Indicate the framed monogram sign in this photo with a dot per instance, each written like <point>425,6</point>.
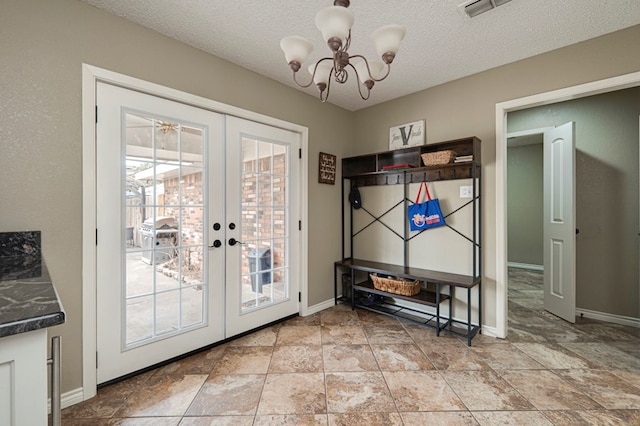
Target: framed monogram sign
<point>406,135</point>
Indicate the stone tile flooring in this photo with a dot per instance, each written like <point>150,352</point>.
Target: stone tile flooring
<point>343,367</point>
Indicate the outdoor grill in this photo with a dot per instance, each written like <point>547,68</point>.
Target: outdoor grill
<point>159,237</point>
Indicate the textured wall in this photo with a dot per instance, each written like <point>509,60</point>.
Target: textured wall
<point>524,204</point>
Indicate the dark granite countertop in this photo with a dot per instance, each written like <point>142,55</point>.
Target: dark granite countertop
<point>28,298</point>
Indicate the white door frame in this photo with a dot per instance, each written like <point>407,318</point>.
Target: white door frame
<point>90,76</point>
<point>580,91</point>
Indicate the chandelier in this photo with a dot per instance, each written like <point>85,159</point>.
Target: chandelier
<point>335,24</point>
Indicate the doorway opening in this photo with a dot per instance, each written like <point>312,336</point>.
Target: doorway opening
<point>542,216</point>
<point>581,91</point>
<point>525,194</point>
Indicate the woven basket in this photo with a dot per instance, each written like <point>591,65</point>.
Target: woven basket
<point>439,157</point>
<point>395,285</point>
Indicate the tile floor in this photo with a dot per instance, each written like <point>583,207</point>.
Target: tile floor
<point>343,367</point>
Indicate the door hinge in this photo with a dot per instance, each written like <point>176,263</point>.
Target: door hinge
<point>96,359</point>
<point>299,152</point>
<point>96,113</point>
<point>299,225</point>
<point>299,296</point>
<point>96,236</point>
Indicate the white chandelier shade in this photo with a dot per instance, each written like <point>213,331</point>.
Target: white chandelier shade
<point>387,39</point>
<point>296,48</point>
<point>335,22</point>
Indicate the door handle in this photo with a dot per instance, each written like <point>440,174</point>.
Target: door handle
<point>216,244</point>
<point>233,242</point>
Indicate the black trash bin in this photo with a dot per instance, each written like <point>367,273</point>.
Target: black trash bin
<point>260,260</point>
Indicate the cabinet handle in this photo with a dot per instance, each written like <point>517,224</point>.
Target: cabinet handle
<point>54,361</point>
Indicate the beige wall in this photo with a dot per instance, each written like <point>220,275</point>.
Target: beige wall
<point>524,204</point>
<point>467,107</point>
<point>606,134</point>
<point>42,47</point>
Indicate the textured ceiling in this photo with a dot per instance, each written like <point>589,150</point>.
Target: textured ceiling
<point>442,44</point>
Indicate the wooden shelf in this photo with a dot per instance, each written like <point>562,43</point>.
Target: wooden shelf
<point>416,175</point>
<point>367,169</point>
<point>409,272</point>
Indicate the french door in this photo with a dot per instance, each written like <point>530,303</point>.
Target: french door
<point>262,234</point>
<point>193,235</point>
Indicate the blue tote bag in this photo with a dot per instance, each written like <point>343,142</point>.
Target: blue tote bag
<point>427,214</point>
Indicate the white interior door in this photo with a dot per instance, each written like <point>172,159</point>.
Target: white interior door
<point>263,213</point>
<point>559,222</point>
<point>160,290</point>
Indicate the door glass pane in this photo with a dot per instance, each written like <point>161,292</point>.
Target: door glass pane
<point>139,312</point>
<point>164,226</point>
<point>192,305</point>
<point>167,312</point>
<point>264,206</point>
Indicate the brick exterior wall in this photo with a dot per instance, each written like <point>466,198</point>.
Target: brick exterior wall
<point>258,231</point>
<point>191,238</point>
<point>260,185</point>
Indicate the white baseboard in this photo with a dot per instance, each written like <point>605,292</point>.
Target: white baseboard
<point>490,331</point>
<point>525,266</point>
<point>68,399</point>
<point>603,316</point>
<point>319,307</point>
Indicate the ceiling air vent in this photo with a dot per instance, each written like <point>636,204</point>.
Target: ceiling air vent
<point>474,8</point>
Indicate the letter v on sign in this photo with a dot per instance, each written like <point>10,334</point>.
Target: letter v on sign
<point>406,136</point>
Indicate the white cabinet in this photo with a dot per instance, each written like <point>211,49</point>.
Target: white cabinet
<point>23,379</point>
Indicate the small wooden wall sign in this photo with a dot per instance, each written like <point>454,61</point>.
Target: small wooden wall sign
<point>327,169</point>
